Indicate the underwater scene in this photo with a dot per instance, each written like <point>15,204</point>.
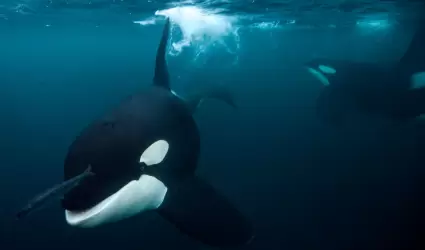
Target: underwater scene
<point>212,124</point>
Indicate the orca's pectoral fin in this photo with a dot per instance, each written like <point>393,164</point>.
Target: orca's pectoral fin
<point>161,77</point>
<point>217,92</point>
<point>197,210</point>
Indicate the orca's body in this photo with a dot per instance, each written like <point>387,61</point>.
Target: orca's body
<point>396,92</point>
<point>144,155</point>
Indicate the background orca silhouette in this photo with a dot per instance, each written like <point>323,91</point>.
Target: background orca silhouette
<point>396,92</point>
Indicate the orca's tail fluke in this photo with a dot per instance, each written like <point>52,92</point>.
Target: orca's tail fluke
<point>161,77</point>
<point>217,92</point>
<point>197,210</point>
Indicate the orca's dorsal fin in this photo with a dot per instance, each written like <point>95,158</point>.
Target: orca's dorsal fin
<point>161,77</point>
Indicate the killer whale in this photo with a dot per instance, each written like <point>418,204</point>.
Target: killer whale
<point>396,91</point>
<point>144,155</point>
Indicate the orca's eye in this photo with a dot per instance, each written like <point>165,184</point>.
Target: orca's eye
<point>142,166</point>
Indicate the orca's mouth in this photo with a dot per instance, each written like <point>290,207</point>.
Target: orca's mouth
<point>92,192</point>
<point>146,193</point>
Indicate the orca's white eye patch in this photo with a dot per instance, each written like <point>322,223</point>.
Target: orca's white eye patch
<point>155,153</point>
<point>319,76</point>
<point>418,80</point>
<point>327,69</point>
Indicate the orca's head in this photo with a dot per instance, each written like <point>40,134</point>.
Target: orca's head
<point>135,154</point>
<point>321,69</point>
<point>111,196</point>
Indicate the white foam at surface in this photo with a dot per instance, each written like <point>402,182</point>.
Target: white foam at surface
<point>199,29</point>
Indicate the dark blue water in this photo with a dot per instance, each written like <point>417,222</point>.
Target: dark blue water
<point>302,184</point>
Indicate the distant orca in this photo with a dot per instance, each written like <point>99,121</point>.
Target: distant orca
<point>397,92</point>
<point>144,155</point>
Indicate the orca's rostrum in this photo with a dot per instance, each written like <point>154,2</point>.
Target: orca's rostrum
<point>144,154</point>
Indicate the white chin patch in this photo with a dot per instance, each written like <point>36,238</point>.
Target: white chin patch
<point>319,76</point>
<point>145,194</point>
<point>418,80</point>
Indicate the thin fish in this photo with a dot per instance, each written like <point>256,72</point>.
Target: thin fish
<point>53,193</point>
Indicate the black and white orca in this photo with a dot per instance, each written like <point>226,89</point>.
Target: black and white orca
<point>396,91</point>
<point>144,154</point>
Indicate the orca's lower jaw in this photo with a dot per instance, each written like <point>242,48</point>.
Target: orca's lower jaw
<point>146,193</point>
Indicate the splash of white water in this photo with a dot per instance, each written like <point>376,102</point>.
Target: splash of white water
<point>199,29</point>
